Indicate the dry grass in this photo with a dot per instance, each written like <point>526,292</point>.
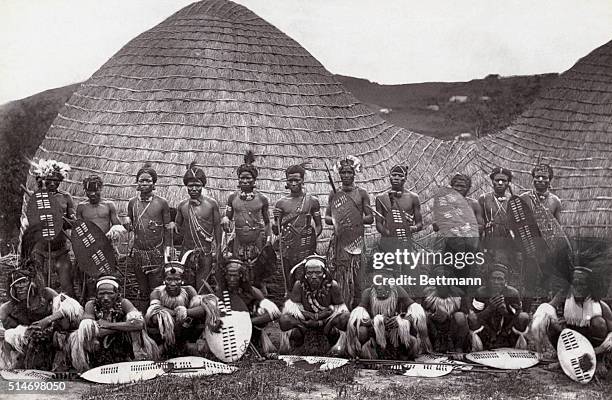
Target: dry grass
<point>273,380</point>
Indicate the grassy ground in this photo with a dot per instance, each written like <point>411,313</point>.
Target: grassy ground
<point>273,380</point>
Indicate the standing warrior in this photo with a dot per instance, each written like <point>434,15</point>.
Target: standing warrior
<point>462,184</point>
<point>387,320</point>
<point>101,212</point>
<point>348,210</point>
<point>543,275</point>
<point>293,221</point>
<point>112,330</point>
<point>496,237</point>
<point>245,297</point>
<point>35,322</point>
<point>542,175</point>
<point>177,315</point>
<point>198,219</point>
<point>447,310</point>
<point>249,210</point>
<point>580,308</point>
<point>494,205</point>
<point>50,174</point>
<point>150,220</point>
<point>399,212</point>
<point>314,303</point>
<point>496,319</point>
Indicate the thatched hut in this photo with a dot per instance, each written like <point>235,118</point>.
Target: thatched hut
<point>569,126</point>
<point>214,80</point>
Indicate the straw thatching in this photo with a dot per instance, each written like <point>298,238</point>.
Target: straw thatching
<point>569,127</point>
<point>214,80</point>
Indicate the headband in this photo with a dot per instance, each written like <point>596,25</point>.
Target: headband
<point>107,281</point>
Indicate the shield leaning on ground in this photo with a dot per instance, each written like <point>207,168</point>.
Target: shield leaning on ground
<point>92,249</point>
<point>191,366</point>
<point>314,362</point>
<point>27,375</point>
<point>125,372</point>
<point>45,212</point>
<point>233,340</point>
<point>505,358</point>
<point>576,356</point>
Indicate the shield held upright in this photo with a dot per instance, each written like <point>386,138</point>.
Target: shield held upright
<point>45,212</point>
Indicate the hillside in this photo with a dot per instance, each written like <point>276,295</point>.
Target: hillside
<point>23,124</point>
<point>489,106</point>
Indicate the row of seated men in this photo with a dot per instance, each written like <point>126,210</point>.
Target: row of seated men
<point>43,329</point>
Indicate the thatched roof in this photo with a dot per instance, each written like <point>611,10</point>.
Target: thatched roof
<point>570,127</point>
<point>214,80</point>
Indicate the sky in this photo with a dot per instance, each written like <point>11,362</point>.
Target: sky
<point>50,43</point>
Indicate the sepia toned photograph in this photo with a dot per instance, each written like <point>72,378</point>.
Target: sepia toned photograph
<point>266,199</point>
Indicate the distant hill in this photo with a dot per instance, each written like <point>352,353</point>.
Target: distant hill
<point>490,105</point>
<point>23,124</point>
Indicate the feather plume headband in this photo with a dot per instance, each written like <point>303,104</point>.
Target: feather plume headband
<point>249,159</point>
<point>49,168</point>
<point>194,174</point>
<point>349,161</point>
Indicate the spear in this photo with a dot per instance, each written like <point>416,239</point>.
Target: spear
<point>329,177</point>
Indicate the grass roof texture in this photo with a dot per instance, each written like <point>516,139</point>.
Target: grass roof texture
<point>569,126</point>
<point>214,80</point>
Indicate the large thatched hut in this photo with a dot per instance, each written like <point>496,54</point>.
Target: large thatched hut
<point>212,81</point>
<point>569,127</point>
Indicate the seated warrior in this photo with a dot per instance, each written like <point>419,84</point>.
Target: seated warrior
<point>35,322</point>
<point>447,310</point>
<point>578,308</point>
<point>387,322</point>
<point>177,315</point>
<point>315,303</point>
<point>245,297</point>
<point>496,318</point>
<point>112,330</point>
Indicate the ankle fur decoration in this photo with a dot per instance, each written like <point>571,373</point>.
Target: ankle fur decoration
<point>475,340</point>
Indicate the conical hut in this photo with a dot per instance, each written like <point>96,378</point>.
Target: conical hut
<point>569,126</point>
<point>212,81</point>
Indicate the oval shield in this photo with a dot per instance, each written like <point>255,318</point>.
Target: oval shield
<point>233,340</point>
<point>125,372</point>
<point>453,214</point>
<point>45,211</point>
<point>505,358</point>
<point>92,249</point>
<point>576,356</point>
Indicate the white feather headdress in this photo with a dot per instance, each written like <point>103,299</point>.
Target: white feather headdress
<point>350,161</point>
<point>48,168</point>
